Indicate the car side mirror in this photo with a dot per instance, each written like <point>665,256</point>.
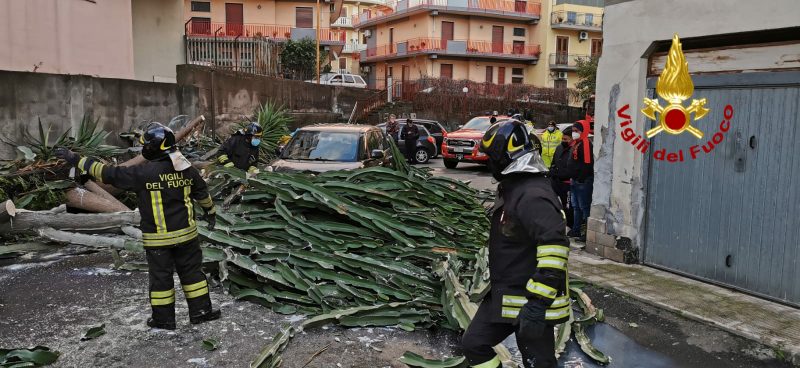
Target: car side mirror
<point>376,154</point>
<point>460,126</point>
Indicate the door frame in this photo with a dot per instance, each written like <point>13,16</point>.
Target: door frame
<point>708,81</point>
<point>452,26</point>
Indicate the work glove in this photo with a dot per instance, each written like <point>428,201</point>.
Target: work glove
<point>211,219</point>
<point>531,319</point>
<point>65,154</point>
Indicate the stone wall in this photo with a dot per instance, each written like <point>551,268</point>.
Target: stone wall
<point>60,101</point>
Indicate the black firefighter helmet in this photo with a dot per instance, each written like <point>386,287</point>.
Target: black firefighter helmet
<point>253,129</point>
<point>505,142</point>
<point>157,141</point>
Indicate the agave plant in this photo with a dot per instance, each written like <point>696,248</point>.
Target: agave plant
<point>88,141</point>
<point>274,119</point>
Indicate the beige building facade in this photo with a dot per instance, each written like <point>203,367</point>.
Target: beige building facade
<point>127,39</point>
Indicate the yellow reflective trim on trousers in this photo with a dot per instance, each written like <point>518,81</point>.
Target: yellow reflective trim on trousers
<point>229,164</point>
<point>560,301</point>
<point>509,312</point>
<point>494,363</point>
<point>196,293</point>
<point>81,164</point>
<point>552,262</point>
<point>541,289</point>
<point>195,286</point>
<point>170,241</point>
<point>514,300</point>
<point>162,294</point>
<point>158,211</point>
<point>169,234</point>
<point>558,313</point>
<point>222,159</point>
<point>187,199</point>
<point>552,250</point>
<point>164,301</point>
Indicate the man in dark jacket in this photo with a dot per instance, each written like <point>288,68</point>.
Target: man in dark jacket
<point>241,149</point>
<point>528,253</point>
<point>393,127</point>
<point>166,186</point>
<point>410,135</point>
<point>560,172</point>
<point>581,163</point>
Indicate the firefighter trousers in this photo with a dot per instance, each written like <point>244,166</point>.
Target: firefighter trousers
<point>185,258</point>
<point>482,334</point>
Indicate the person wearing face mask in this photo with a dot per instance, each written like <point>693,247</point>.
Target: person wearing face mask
<point>551,138</point>
<point>581,165</point>
<point>560,173</point>
<point>241,149</point>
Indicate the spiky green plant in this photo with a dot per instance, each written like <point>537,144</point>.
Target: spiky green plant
<point>88,141</point>
<point>275,120</point>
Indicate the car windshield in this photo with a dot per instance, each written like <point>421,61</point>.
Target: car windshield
<point>314,145</point>
<point>479,123</point>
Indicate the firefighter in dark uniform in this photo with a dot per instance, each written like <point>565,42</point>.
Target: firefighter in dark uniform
<point>241,149</point>
<point>166,187</point>
<point>528,253</point>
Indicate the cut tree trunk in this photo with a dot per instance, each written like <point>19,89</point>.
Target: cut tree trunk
<point>96,241</point>
<point>86,200</point>
<point>27,221</point>
<point>138,160</point>
<point>96,189</point>
<point>7,211</point>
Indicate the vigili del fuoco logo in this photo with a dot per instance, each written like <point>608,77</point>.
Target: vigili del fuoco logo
<point>675,86</point>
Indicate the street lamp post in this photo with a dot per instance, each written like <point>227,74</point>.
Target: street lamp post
<point>464,102</point>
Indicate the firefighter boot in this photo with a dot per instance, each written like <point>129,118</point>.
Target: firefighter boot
<point>205,317</point>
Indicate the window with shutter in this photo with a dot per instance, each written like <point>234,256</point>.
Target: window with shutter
<point>304,17</point>
<point>201,6</point>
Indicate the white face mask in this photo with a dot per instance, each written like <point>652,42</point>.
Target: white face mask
<point>551,129</point>
<point>576,135</point>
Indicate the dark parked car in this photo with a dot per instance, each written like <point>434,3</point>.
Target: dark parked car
<point>328,147</point>
<point>438,132</point>
<point>426,144</point>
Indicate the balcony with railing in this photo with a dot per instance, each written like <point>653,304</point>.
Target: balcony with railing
<point>576,21</point>
<point>345,22</point>
<point>353,47</point>
<point>437,46</point>
<point>505,9</point>
<point>565,62</point>
<point>209,30</point>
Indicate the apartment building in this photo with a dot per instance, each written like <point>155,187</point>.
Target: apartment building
<point>248,23</point>
<point>495,41</point>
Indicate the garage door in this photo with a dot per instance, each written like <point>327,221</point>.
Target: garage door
<point>732,216</point>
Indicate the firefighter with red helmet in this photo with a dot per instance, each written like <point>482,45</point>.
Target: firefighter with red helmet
<point>528,252</point>
<point>167,186</point>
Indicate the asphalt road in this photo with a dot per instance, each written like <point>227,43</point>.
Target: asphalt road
<point>478,175</point>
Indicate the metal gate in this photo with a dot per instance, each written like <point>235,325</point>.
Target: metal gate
<point>732,216</point>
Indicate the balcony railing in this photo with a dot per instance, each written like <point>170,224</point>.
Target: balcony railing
<point>452,47</point>
<point>351,47</point>
<point>343,22</point>
<point>519,8</point>
<point>566,61</point>
<point>575,20</point>
<point>270,31</point>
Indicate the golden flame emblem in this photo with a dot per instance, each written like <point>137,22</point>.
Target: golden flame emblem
<point>675,85</point>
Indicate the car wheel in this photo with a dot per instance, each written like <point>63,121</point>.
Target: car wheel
<point>450,164</point>
<point>422,156</point>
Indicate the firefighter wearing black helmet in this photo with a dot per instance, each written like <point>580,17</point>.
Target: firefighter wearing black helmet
<point>241,149</point>
<point>166,186</point>
<point>528,252</point>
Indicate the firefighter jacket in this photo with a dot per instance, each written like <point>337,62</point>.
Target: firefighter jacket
<point>165,197</point>
<point>237,151</point>
<point>528,249</point>
<point>550,141</point>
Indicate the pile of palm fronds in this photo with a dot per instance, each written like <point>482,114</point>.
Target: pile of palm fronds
<point>89,140</point>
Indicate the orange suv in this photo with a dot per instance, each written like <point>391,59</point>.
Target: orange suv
<point>462,145</point>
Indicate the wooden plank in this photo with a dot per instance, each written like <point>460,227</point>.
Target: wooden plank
<point>785,56</point>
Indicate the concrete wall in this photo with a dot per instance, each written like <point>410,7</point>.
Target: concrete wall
<point>233,96</point>
<point>62,100</point>
<point>630,28</point>
<point>157,39</point>
<point>67,37</point>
